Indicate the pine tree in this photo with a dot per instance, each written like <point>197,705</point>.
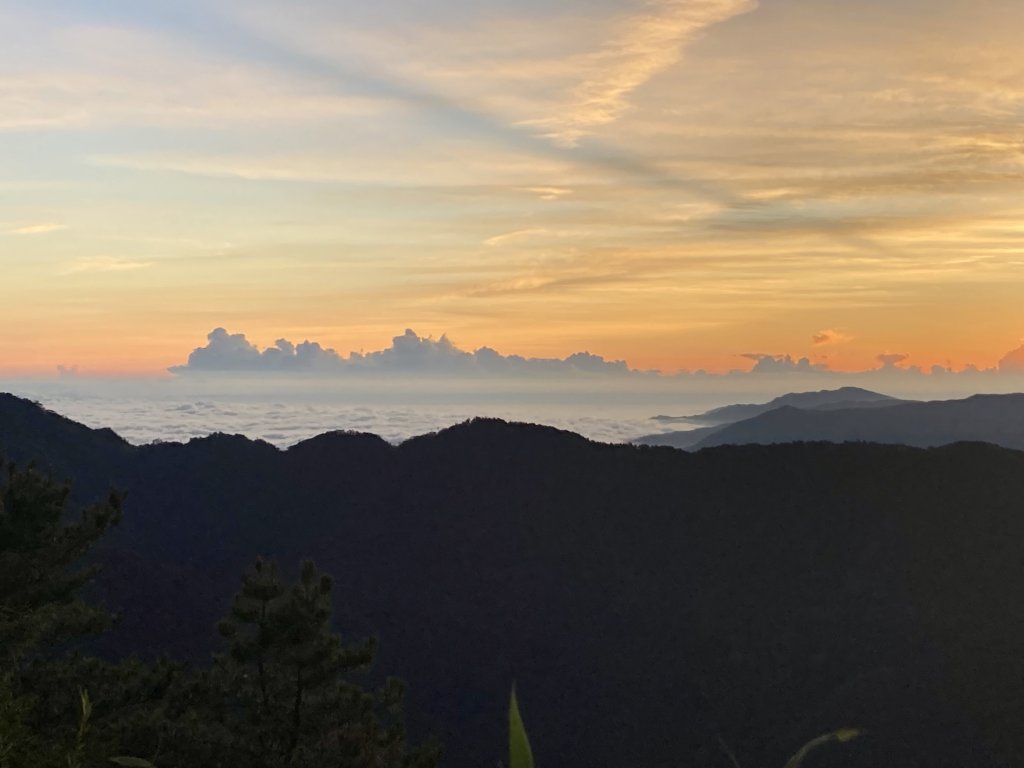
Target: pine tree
<point>280,695</point>
<point>40,577</point>
<point>40,563</point>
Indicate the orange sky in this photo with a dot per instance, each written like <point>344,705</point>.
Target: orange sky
<point>670,182</point>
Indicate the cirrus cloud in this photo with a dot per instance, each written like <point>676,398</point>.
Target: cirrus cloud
<point>650,43</point>
<point>36,229</point>
<point>103,264</point>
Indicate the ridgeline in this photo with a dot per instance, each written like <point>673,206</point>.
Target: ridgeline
<point>647,602</point>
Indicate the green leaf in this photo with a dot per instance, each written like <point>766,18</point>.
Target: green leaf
<point>132,762</point>
<point>727,750</point>
<point>842,736</point>
<point>83,697</point>
<point>519,753</point>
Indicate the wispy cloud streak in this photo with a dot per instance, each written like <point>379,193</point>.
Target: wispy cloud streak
<point>103,264</point>
<point>35,229</point>
<point>650,44</point>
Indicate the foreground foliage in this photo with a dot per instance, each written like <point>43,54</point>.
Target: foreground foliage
<point>40,576</point>
<point>520,755</point>
<point>777,591</point>
<point>280,694</point>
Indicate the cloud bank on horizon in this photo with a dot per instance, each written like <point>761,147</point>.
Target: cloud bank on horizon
<point>412,355</point>
<point>408,354</point>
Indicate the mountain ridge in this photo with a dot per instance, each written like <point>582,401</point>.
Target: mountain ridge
<point>997,419</point>
<point>843,397</point>
<point>604,579</point>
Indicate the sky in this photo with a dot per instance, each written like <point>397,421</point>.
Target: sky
<point>679,184</point>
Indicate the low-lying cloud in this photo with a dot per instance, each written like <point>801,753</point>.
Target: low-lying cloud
<point>782,364</point>
<point>409,354</point>
<point>890,360</point>
<point>1013,361</point>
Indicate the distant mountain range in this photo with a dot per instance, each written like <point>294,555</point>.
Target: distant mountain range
<point>649,603</point>
<point>844,397</point>
<point>996,419</point>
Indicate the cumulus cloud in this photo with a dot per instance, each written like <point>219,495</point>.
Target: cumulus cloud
<point>1013,361</point>
<point>409,354</point>
<point>781,364</point>
<point>891,360</point>
<point>830,336</point>
<point>226,352</point>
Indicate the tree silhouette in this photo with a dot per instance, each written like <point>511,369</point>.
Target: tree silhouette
<point>281,693</point>
<point>40,556</point>
<point>40,577</point>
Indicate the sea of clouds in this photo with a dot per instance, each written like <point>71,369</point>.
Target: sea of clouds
<point>288,412</point>
<point>290,392</point>
<point>284,424</point>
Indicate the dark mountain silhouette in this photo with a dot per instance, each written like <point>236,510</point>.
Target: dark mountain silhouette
<point>683,438</point>
<point>996,419</point>
<point>646,601</point>
<point>825,399</point>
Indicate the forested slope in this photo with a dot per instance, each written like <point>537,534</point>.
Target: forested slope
<point>647,601</point>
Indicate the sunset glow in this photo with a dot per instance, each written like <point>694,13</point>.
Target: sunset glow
<point>674,183</point>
